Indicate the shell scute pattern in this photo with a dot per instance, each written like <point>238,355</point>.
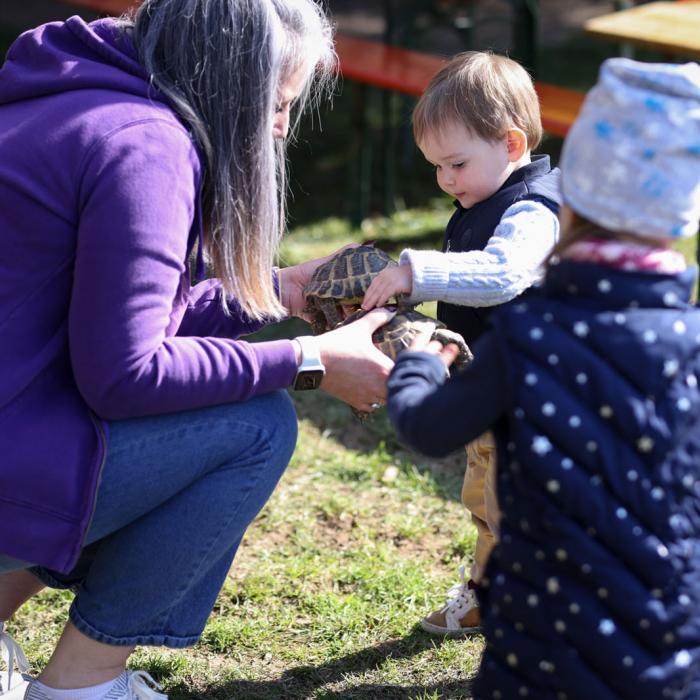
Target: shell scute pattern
<point>398,334</point>
<point>348,274</point>
<point>342,280</point>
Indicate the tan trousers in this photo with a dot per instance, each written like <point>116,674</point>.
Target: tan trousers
<point>479,498</point>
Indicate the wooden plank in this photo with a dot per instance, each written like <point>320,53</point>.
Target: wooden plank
<point>391,68</point>
<point>388,67</point>
<point>559,107</point>
<point>401,70</point>
<point>672,27</point>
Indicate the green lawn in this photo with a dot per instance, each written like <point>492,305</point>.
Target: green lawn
<point>359,541</point>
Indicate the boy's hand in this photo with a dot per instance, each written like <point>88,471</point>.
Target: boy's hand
<point>390,282</point>
<point>447,353</point>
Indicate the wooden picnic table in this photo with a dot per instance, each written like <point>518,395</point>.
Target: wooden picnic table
<point>670,27</point>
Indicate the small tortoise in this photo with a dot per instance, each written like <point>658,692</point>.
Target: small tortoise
<point>342,281</point>
<point>398,334</point>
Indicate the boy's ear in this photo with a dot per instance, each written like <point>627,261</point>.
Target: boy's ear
<point>516,144</point>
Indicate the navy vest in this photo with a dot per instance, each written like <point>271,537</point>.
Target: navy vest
<point>599,478</point>
<point>470,229</point>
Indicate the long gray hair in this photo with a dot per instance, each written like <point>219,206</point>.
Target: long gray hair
<point>221,63</point>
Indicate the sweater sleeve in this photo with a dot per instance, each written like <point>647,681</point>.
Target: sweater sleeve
<point>205,313</point>
<point>435,415</point>
<point>136,208</point>
<point>510,263</point>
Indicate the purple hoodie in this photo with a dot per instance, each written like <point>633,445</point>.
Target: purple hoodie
<point>99,187</point>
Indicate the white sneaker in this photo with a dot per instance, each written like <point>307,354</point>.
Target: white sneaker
<point>19,688</point>
<point>460,616</point>
<point>12,655</point>
<point>132,685</point>
<point>139,686</point>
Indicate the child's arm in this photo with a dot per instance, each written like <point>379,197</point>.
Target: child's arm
<point>436,416</point>
<point>510,263</point>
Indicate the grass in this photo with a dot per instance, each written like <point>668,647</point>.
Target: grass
<point>360,540</point>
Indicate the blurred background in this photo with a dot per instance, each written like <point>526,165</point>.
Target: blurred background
<point>547,36</point>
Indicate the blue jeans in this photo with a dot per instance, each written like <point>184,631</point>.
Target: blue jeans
<point>176,496</point>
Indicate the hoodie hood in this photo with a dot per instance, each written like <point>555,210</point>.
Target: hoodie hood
<point>61,56</point>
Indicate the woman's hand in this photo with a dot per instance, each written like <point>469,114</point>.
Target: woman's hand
<point>356,371</point>
<point>447,353</point>
<point>390,282</point>
<point>293,279</point>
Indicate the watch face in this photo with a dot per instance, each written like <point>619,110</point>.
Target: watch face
<point>310,379</point>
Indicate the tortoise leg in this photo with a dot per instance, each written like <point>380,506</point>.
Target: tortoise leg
<point>332,313</point>
<point>318,323</point>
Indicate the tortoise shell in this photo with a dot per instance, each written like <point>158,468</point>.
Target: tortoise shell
<point>398,334</point>
<point>347,276</point>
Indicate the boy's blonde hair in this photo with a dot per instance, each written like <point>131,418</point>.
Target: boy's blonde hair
<point>487,93</point>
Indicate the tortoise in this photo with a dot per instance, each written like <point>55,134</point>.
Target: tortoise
<point>342,281</point>
<point>397,334</point>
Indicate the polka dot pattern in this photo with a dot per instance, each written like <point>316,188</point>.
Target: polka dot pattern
<point>580,504</point>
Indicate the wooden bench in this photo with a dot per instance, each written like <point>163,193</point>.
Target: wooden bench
<point>371,63</point>
<point>400,70</point>
<point>409,72</point>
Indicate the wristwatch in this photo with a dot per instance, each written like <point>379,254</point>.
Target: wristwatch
<point>311,370</point>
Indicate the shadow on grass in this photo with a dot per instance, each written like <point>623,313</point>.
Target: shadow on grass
<point>308,681</point>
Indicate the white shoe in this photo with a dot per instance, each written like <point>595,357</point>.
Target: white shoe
<point>460,616</point>
<point>140,686</point>
<point>19,688</point>
<point>132,685</point>
<point>12,655</point>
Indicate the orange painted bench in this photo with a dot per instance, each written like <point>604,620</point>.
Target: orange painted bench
<point>400,70</point>
<point>373,63</point>
<point>409,72</point>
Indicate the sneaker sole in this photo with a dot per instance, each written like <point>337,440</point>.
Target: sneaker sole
<point>445,632</point>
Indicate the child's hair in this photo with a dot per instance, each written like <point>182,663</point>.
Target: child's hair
<point>483,91</point>
<point>579,228</point>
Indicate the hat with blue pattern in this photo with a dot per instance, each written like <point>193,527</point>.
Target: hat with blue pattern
<point>631,161</point>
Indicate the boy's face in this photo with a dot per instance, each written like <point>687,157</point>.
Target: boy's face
<point>468,168</point>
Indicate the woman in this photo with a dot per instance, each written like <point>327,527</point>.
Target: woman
<point>139,438</point>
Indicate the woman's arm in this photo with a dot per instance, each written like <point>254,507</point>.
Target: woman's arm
<point>435,415</point>
<point>131,287</point>
<point>205,314</point>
